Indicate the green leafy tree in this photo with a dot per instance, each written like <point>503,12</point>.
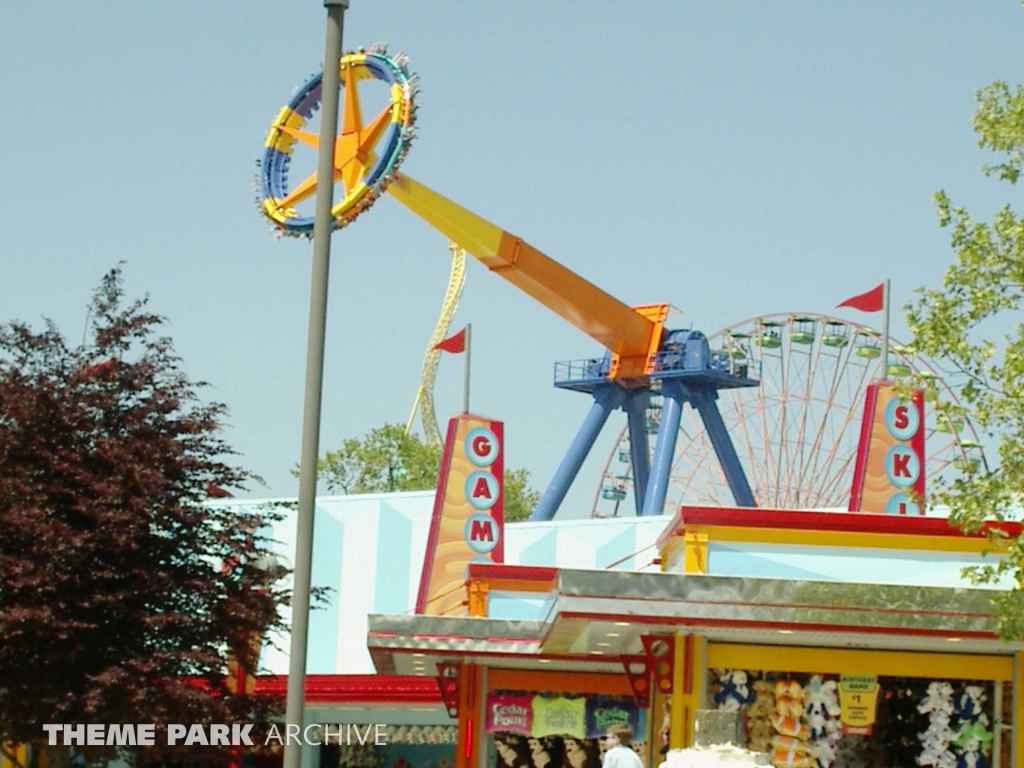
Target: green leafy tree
<point>520,498</point>
<point>980,300</point>
<point>387,459</point>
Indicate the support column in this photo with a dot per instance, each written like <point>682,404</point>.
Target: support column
<point>607,397</point>
<point>704,401</point>
<point>687,688</point>
<point>677,732</point>
<point>675,394</point>
<point>636,406</point>
<point>697,664</point>
<point>1016,747</point>
<point>466,746</point>
<point>997,725</point>
<point>481,714</point>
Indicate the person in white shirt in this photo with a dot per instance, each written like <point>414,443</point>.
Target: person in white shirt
<point>619,753</point>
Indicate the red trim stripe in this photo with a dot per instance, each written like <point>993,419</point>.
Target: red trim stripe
<point>839,522</point>
<point>511,572</point>
<point>356,689</point>
<point>867,419</point>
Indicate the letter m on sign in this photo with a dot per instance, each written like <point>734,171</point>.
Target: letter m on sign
<point>481,530</point>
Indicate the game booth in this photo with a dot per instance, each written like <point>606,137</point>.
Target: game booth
<point>815,638</point>
<point>802,638</point>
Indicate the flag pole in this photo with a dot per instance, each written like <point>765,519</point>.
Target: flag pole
<point>885,329</point>
<point>465,372</point>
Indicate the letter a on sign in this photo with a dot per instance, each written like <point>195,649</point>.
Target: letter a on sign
<point>468,522</point>
<point>481,490</point>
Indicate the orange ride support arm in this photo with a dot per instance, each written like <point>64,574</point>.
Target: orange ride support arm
<point>630,334</point>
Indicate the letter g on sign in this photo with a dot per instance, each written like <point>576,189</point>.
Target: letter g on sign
<point>481,446</point>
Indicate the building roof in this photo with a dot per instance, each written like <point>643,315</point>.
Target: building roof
<point>595,617</point>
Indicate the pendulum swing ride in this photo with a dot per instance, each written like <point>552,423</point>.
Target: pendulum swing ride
<point>643,356</point>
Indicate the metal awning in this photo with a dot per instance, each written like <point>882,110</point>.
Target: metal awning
<point>598,616</point>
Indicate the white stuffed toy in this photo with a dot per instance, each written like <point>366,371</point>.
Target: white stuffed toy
<point>940,697</point>
<point>821,712</point>
<point>935,739</point>
<point>733,691</point>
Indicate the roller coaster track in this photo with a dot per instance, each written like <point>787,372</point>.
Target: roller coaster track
<point>424,401</point>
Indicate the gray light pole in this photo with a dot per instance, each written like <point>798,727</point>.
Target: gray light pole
<point>330,84</point>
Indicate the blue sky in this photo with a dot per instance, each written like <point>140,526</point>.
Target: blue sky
<point>731,158</point>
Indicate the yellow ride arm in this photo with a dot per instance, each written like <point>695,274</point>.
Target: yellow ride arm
<point>632,335</point>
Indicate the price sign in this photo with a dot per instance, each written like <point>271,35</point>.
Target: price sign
<point>858,695</point>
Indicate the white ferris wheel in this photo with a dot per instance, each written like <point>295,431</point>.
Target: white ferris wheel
<point>796,434</point>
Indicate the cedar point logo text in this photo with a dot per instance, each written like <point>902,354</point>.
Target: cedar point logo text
<point>216,735</point>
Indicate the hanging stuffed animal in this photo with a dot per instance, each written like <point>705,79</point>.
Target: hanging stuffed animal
<point>789,699</point>
<point>789,726</point>
<point>935,739</point>
<point>759,713</point>
<point>973,740</point>
<point>790,752</point>
<point>939,697</point>
<point>762,706</point>
<point>789,748</point>
<point>969,704</point>
<point>821,713</point>
<point>733,691</point>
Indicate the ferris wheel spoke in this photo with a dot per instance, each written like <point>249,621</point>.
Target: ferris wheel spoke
<point>696,476</point>
<point>827,420</point>
<point>702,456</point>
<point>847,419</point>
<point>607,474</point>
<point>846,372</point>
<point>783,450</point>
<point>766,453</point>
<point>829,402</point>
<point>796,434</point>
<point>797,447</point>
<point>814,363</point>
<point>835,489</point>
<point>753,466</point>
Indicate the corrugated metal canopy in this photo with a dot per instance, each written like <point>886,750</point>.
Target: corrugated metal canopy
<point>600,615</point>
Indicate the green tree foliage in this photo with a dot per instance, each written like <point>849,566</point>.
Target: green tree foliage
<point>981,297</point>
<point>520,498</point>
<point>387,459</point>
<point>123,595</point>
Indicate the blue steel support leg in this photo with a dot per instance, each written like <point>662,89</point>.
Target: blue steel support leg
<point>704,401</point>
<point>636,406</point>
<point>607,397</point>
<point>675,394</point>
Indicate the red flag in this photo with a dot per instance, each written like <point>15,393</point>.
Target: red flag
<point>453,344</point>
<point>869,301</point>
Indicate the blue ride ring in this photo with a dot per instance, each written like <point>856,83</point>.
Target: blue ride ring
<point>391,147</point>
